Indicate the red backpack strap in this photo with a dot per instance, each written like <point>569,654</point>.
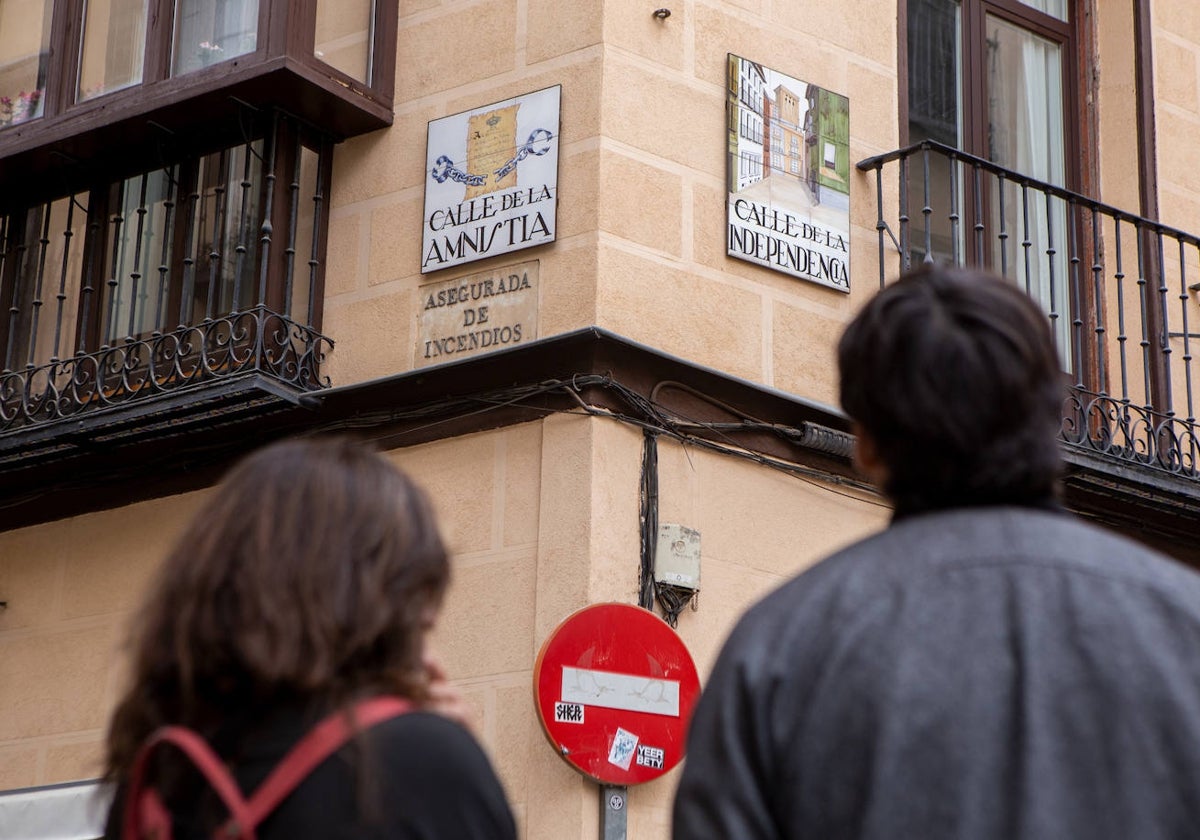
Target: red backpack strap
<point>322,741</point>
<point>144,809</point>
<point>154,822</point>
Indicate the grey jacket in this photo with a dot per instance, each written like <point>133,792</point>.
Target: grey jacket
<point>991,674</point>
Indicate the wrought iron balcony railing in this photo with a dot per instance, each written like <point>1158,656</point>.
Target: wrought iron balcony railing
<point>256,340</point>
<point>1119,290</point>
<point>203,270</point>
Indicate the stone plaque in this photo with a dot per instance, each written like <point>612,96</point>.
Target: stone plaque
<point>477,313</point>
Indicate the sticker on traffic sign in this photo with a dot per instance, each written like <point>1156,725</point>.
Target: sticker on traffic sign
<point>568,713</point>
<point>650,756</point>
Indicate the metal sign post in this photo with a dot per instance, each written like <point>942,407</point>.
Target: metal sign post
<point>614,688</point>
<point>613,799</point>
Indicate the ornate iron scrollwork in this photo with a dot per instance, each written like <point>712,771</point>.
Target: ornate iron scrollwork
<point>1130,432</point>
<point>255,340</point>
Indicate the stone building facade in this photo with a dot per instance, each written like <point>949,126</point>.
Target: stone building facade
<point>655,378</point>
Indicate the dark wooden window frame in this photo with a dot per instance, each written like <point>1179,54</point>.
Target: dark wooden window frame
<point>1080,130</point>
<point>118,131</point>
<point>1077,37</point>
<point>1064,33</point>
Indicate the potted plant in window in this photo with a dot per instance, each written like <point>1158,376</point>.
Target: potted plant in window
<point>209,53</point>
<point>23,107</point>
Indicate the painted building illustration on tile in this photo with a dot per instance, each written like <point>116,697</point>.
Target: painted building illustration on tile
<point>789,175</point>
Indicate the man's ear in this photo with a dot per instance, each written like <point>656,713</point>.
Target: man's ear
<point>867,458</point>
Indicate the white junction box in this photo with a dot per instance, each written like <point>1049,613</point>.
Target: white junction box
<point>677,558</point>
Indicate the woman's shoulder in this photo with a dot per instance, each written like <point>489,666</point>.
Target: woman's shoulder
<point>427,774</point>
<point>430,760</point>
<point>430,749</point>
<point>419,731</point>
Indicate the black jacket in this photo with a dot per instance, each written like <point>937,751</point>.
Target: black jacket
<point>990,674</point>
<point>415,777</point>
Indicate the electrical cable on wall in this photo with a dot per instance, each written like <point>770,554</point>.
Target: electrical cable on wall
<point>646,414</point>
<point>648,516</point>
<point>671,598</point>
<point>655,420</point>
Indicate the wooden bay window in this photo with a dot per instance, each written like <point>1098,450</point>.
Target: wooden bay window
<point>164,173</point>
<point>101,84</point>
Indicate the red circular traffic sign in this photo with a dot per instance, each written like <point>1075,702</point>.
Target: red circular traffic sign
<point>615,690</point>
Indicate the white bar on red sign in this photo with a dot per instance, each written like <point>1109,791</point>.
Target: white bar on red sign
<point>620,691</point>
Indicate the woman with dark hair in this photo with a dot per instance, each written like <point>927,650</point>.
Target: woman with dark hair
<point>305,585</point>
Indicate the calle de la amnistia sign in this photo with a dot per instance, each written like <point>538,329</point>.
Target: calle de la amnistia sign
<point>491,180</point>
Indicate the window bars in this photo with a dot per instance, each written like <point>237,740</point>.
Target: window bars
<point>1119,290</point>
<point>169,278</point>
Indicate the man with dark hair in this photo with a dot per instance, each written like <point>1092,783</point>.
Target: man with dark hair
<point>953,377</point>
<point>988,667</point>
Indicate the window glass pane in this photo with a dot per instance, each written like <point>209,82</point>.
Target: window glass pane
<point>44,243</point>
<point>135,298</point>
<point>209,31</point>
<point>226,232</point>
<point>344,36</point>
<point>934,72</point>
<point>1054,8</point>
<point>24,55</point>
<point>934,110</point>
<point>1025,101</point>
<point>302,272</point>
<point>1025,134</point>
<point>114,46</point>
